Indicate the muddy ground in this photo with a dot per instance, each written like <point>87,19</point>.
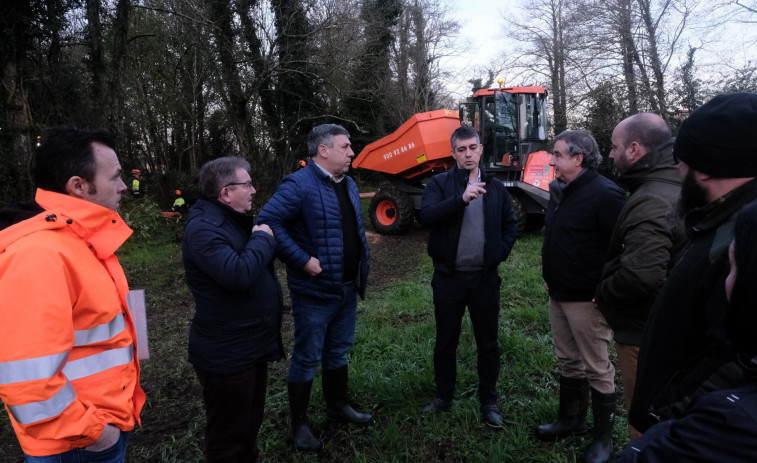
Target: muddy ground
<point>169,382</point>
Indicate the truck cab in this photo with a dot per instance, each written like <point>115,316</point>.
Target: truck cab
<point>512,123</point>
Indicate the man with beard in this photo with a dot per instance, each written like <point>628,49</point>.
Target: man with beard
<point>645,242</point>
<point>684,352</point>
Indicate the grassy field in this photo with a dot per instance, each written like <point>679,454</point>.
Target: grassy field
<point>391,373</point>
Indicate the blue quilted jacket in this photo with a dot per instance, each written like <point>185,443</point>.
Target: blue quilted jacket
<point>305,218</point>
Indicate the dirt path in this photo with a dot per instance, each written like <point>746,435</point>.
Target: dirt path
<point>393,256</point>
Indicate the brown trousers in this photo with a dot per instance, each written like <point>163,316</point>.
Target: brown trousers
<point>581,337</point>
<point>628,357</point>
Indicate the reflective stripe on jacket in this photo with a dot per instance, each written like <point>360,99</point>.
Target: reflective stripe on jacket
<point>67,342</point>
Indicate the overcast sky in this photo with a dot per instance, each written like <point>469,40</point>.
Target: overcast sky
<point>482,37</point>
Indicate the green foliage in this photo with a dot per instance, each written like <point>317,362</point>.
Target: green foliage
<point>744,79</point>
<point>143,216</point>
<point>688,90</point>
<point>366,104</point>
<point>604,113</point>
<point>391,371</point>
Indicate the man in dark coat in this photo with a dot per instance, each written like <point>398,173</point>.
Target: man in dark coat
<point>684,352</point>
<point>316,216</point>
<point>473,229</point>
<point>719,426</point>
<point>646,240</point>
<point>235,331</point>
<point>581,214</point>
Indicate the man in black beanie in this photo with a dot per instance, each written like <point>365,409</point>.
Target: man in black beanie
<point>684,352</point>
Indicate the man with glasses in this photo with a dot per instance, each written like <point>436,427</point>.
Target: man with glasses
<point>235,331</point>
<point>581,214</point>
<point>316,216</point>
<point>472,230</point>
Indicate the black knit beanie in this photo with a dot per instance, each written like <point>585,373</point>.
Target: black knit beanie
<point>718,138</point>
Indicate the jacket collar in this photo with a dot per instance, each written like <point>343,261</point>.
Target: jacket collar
<point>560,190</point>
<point>657,165</point>
<point>215,212</point>
<point>721,210</point>
<point>463,174</point>
<point>104,230</point>
<point>323,174</point>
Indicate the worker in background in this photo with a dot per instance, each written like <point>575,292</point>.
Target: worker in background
<point>684,351</point>
<point>316,216</point>
<point>69,374</point>
<point>236,328</point>
<point>134,183</point>
<point>581,214</point>
<point>646,240</point>
<point>472,230</point>
<point>720,426</point>
<point>179,205</point>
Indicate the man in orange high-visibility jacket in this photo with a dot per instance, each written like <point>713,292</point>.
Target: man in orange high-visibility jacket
<point>69,374</point>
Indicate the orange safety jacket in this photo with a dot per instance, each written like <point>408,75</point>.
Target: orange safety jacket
<point>68,363</point>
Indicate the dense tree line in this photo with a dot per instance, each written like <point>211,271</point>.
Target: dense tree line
<point>184,81</point>
<point>606,59</point>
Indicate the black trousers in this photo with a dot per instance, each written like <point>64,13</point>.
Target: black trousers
<point>479,291</point>
<point>234,405</point>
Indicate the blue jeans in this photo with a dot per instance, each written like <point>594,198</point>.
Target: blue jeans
<point>115,454</point>
<point>324,332</point>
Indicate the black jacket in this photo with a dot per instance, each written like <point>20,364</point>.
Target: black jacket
<point>578,225</point>
<point>645,244</point>
<point>720,427</point>
<point>443,209</point>
<point>685,351</point>
<point>238,298</point>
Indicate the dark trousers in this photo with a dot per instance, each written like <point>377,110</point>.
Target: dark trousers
<point>479,291</point>
<point>234,405</point>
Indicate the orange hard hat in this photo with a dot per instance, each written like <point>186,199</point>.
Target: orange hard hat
<point>178,192</point>
<point>136,171</point>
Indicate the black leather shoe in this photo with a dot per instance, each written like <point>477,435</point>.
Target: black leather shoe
<point>343,413</point>
<point>492,416</point>
<point>437,405</point>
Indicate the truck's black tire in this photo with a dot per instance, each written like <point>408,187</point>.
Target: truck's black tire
<point>521,216</point>
<point>391,212</point>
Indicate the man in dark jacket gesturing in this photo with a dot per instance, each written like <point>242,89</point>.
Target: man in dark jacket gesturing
<point>316,216</point>
<point>236,327</point>
<point>472,230</point>
<point>582,210</point>
<point>646,240</point>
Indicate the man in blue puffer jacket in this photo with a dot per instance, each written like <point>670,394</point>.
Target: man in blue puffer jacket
<point>315,215</point>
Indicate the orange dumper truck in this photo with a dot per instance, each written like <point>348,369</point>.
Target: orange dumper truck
<point>512,124</point>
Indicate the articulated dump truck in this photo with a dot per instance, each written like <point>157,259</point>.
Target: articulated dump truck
<point>512,124</point>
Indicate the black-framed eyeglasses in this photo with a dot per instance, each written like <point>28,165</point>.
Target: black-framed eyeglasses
<point>247,185</point>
